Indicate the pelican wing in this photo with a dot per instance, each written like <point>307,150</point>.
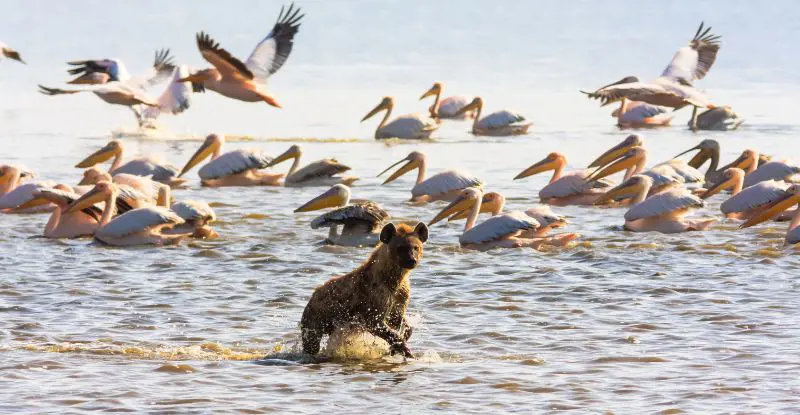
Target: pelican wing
<point>271,53</point>
<point>500,119</point>
<point>23,193</point>
<point>174,100</point>
<point>793,236</point>
<point>686,173</point>
<point>163,66</point>
<point>147,167</point>
<point>773,170</point>
<point>498,227</point>
<point>366,214</point>
<point>65,197</point>
<point>89,67</point>
<point>144,184</point>
<point>450,105</point>
<point>719,118</point>
<point>544,215</point>
<point>318,169</point>
<point>408,126</point>
<point>444,182</point>
<point>130,198</point>
<point>227,65</point>
<point>755,196</point>
<point>234,162</point>
<point>692,62</point>
<point>663,175</point>
<point>139,220</point>
<point>664,203</point>
<point>194,211</point>
<point>572,184</point>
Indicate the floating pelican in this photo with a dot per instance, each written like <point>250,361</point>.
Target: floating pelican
<point>789,199</point>
<point>410,126</point>
<point>21,198</point>
<point>142,226</point>
<point>446,107</point>
<point>446,185</point>
<point>197,215</point>
<point>319,173</point>
<point>246,81</point>
<point>720,118</point>
<point>76,224</point>
<point>12,176</point>
<point>494,202</point>
<point>498,123</point>
<point>773,170</point>
<point>662,212</point>
<point>361,220</point>
<point>744,203</point>
<point>142,166</point>
<point>673,88</point>
<point>241,167</point>
<point>708,150</point>
<point>636,114</point>
<point>571,188</point>
<point>142,184</point>
<point>500,231</point>
<point>10,53</point>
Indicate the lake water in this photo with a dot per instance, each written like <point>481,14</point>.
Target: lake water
<point>622,322</point>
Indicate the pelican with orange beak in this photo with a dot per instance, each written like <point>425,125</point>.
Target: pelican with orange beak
<point>789,199</point>
<point>361,220</point>
<point>746,203</point>
<point>241,167</point>
<point>709,150</point>
<point>637,114</point>
<point>323,172</point>
<point>410,126</point>
<point>571,188</point>
<point>142,166</point>
<point>497,124</point>
<point>446,108</point>
<point>12,176</point>
<point>441,186</point>
<point>76,224</point>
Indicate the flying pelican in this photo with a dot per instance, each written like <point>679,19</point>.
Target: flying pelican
<point>142,166</point>
<point>773,170</point>
<point>446,107</point>
<point>498,123</point>
<point>500,231</point>
<point>241,167</point>
<point>10,53</point>
<point>319,173</point>
<point>720,118</point>
<point>571,188</point>
<point>246,81</point>
<point>662,212</point>
<point>744,203</point>
<point>494,202</point>
<point>75,224</point>
<point>361,220</point>
<point>789,199</point>
<point>446,185</point>
<point>175,99</point>
<point>410,126</point>
<point>637,114</point>
<point>142,226</point>
<point>673,88</point>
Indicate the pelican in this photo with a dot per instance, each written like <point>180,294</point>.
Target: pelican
<point>636,114</point>
<point>142,184</point>
<point>498,123</point>
<point>773,170</point>
<point>143,166</point>
<point>21,198</point>
<point>10,53</point>
<point>673,88</point>
<point>494,202</point>
<point>500,231</point>
<point>720,118</point>
<point>319,173</point>
<point>441,186</point>
<point>410,126</point>
<point>246,81</point>
<point>361,220</point>
<point>175,99</point>
<point>241,167</point>
<point>789,199</point>
<point>12,176</point>
<point>446,107</point>
<point>76,224</point>
<point>142,226</point>
<point>571,188</point>
<point>662,212</point>
<point>708,150</point>
<point>744,203</point>
<point>197,215</point>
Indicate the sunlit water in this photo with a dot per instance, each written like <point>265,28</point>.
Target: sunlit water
<point>630,323</point>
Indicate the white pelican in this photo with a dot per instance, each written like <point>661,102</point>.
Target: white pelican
<point>637,114</point>
<point>76,224</point>
<point>500,231</point>
<point>662,212</point>
<point>410,126</point>
<point>773,170</point>
<point>571,188</point>
<point>142,166</point>
<point>318,173</point>
<point>441,186</point>
<point>12,176</point>
<point>241,167</point>
<point>361,220</point>
<point>10,53</point>
<point>708,150</point>
<point>673,88</point>
<point>446,107</point>
<point>21,198</point>
<point>721,118</point>
<point>494,202</point>
<point>142,226</point>
<point>175,99</point>
<point>744,203</point>
<point>498,123</point>
<point>246,81</point>
<point>197,215</point>
<point>789,199</point>
<point>143,184</point>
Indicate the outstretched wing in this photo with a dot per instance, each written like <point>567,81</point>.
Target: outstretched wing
<point>271,53</point>
<point>163,66</point>
<point>228,65</point>
<point>692,62</point>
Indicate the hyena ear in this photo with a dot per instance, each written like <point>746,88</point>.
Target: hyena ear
<point>422,232</point>
<point>388,233</point>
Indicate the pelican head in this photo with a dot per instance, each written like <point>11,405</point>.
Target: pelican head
<point>414,160</point>
<point>7,172</point>
<point>553,161</point>
<point>387,103</point>
<point>633,157</point>
<point>492,202</point>
<point>101,192</point>
<point>790,198</point>
<point>633,140</point>
<point>294,152</point>
<point>636,185</point>
<point>94,175</point>
<point>476,104</point>
<point>12,54</point>
<point>337,196</point>
<point>211,145</point>
<point>436,89</point>
<point>730,178</point>
<point>747,161</point>
<point>112,149</point>
<point>201,76</point>
<point>707,149</point>
<point>464,201</point>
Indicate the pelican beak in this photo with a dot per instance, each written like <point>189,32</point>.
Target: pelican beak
<point>288,154</point>
<point>772,210</point>
<point>271,101</point>
<point>429,93</point>
<point>543,165</point>
<point>461,203</point>
<point>487,206</point>
<point>409,166</point>
<point>466,108</point>
<point>725,184</point>
<point>382,106</point>
<point>613,153</point>
<point>86,201</point>
<point>193,78</point>
<point>331,198</point>
<point>621,192</point>
<point>699,158</point>
<point>623,163</point>
<point>37,201</point>
<point>202,153</point>
<point>85,181</point>
<point>99,156</point>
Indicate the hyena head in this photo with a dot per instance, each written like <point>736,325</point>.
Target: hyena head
<point>405,243</point>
